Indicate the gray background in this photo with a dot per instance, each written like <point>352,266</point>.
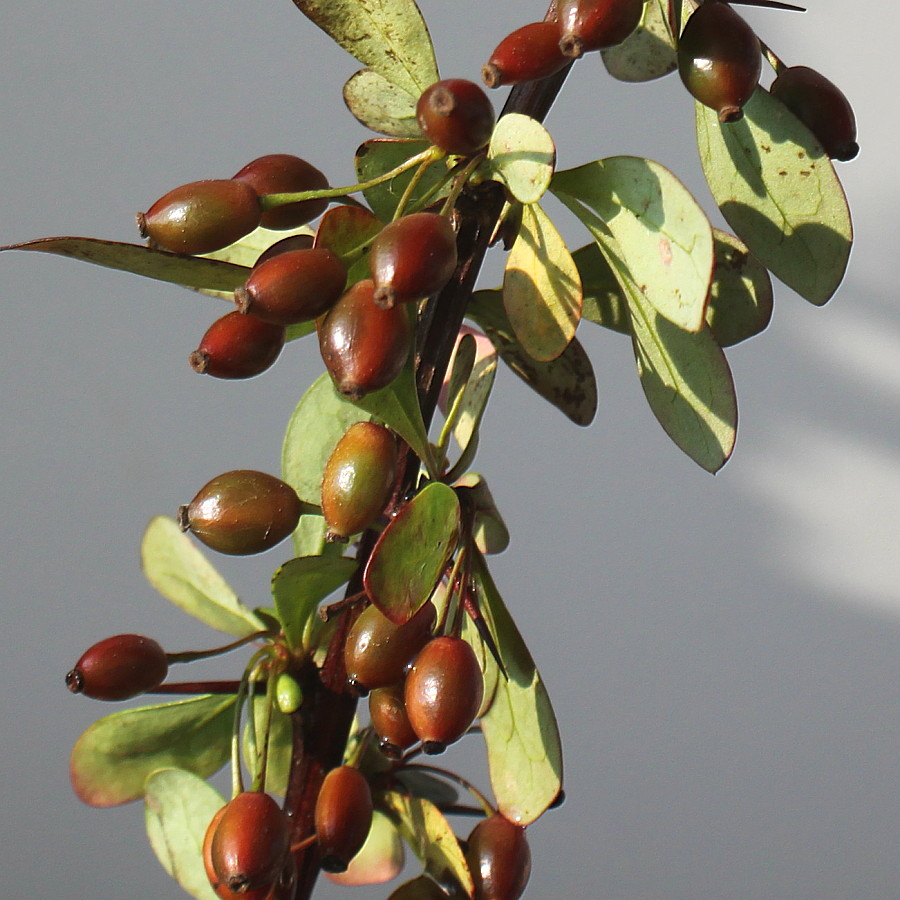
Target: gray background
<point>723,652</point>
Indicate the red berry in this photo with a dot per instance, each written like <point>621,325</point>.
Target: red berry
<point>421,888</point>
<point>281,173</point>
<point>238,346</point>
<point>586,25</point>
<point>387,711</point>
<point>456,116</point>
<point>294,242</point>
<point>202,216</point>
<point>343,817</point>
<point>499,859</point>
<point>118,668</point>
<point>528,53</point>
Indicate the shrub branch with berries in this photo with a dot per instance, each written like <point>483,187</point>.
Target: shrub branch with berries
<point>388,594</point>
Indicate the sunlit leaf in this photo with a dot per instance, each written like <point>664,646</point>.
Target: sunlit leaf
<point>249,248</point>
<point>178,807</point>
<point>779,193</point>
<point>182,574</point>
<point>541,288</point>
<point>490,532</point>
<point>649,51</point>
<point>412,552</point>
<point>520,730</point>
<point>473,396</point>
<point>347,232</point>
<point>523,155</point>
<point>111,760</point>
<point>278,764</point>
<point>379,860</point>
<point>656,229</point>
<point>387,36</point>
<point>380,105</point>
<point>431,838</point>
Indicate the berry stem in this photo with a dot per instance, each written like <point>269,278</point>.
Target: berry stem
<point>194,655</point>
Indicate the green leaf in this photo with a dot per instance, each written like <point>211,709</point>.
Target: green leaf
<point>567,381</point>
<point>278,766</point>
<point>523,155</point>
<point>541,287</point>
<point>183,575</point>
<point>779,193</point>
<point>178,807</point>
<point>520,731</point>
<point>380,105</point>
<point>347,232</point>
<point>652,226</point>
<point>111,761</point>
<point>431,838</point>
<point>300,585</point>
<point>387,36</point>
<point>190,271</point>
<point>473,395</point>
<point>412,552</point>
<point>604,299</point>
<point>490,532</point>
<point>648,52</point>
<point>249,248</point>
<point>427,786</point>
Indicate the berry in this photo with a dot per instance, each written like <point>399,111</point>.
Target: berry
<point>499,859</point>
<point>202,216</point>
<point>242,512</point>
<point>249,843</point>
<point>412,258</point>
<point>528,53</point>
<point>364,347</point>
<point>238,346</point>
<point>358,479</point>
<point>281,173</point>
<point>288,693</point>
<point>292,287</point>
<point>821,106</point>
<point>293,242</point>
<point>387,711</point>
<point>719,59</point>
<point>443,693</point>
<point>421,888</point>
<point>343,817</point>
<point>118,668</point>
<point>586,25</point>
<point>377,650</point>
<point>456,116</point>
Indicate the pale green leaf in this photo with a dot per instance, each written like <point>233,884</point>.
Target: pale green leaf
<point>280,752</point>
<point>490,532</point>
<point>779,193</point>
<point>380,105</point>
<point>249,248</point>
<point>467,408</point>
<point>604,299</point>
<point>649,51</point>
<point>175,566</point>
<point>523,155</point>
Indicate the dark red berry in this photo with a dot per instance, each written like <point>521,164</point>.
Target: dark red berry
<point>118,668</point>
<point>281,173</point>
<point>499,859</point>
<point>719,59</point>
<point>377,651</point>
<point>238,346</point>
<point>456,116</point>
<point>586,25</point>
<point>343,817</point>
<point>202,216</point>
<point>242,512</point>
<point>444,689</point>
<point>421,888</point>
<point>387,712</point>
<point>412,258</point>
<point>293,242</point>
<point>364,347</point>
<point>528,53</point>
<point>292,287</point>
<point>821,106</point>
<point>250,843</point>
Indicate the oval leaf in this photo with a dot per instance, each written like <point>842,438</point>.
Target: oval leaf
<point>604,299</point>
<point>412,552</point>
<point>779,193</point>
<point>111,761</point>
<point>347,232</point>
<point>490,532</point>
<point>523,155</point>
<point>649,51</point>
<point>541,288</point>
<point>662,236</point>
<point>380,105</point>
<point>278,763</point>
<point>380,858</point>
<point>183,575</point>
<point>178,807</point>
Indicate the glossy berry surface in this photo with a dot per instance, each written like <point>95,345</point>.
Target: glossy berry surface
<point>249,843</point>
<point>526,54</point>
<point>358,479</point>
<point>821,106</point>
<point>499,859</point>
<point>421,888</point>
<point>202,216</point>
<point>719,59</point>
<point>242,512</point>
<point>292,287</point>
<point>281,173</point>
<point>118,668</point>
<point>292,242</point>
<point>586,25</point>
<point>343,817</point>
<point>456,116</point>
<point>412,258</point>
<point>364,347</point>
<point>238,346</point>
<point>377,651</point>
<point>387,712</point>
<point>443,693</point>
